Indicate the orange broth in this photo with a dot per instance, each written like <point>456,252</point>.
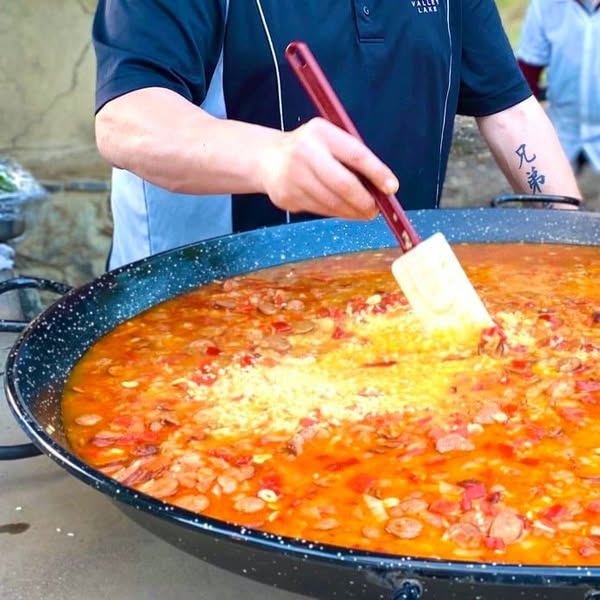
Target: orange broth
<point>305,400</point>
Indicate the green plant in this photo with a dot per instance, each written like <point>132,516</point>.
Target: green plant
<point>6,183</point>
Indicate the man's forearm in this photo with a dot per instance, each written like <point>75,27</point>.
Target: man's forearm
<point>163,138</point>
<point>527,149</point>
<point>317,167</point>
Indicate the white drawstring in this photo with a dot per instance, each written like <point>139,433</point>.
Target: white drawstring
<point>439,177</point>
<point>277,75</point>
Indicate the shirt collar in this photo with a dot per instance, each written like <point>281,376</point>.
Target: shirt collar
<point>591,6</point>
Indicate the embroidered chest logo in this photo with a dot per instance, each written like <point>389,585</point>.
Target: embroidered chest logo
<point>426,6</point>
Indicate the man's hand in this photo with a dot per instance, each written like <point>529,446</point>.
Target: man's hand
<point>315,168</point>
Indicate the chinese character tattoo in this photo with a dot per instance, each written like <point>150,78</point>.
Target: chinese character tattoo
<point>521,152</point>
<point>535,179</point>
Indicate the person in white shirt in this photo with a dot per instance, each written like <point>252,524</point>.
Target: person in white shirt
<point>563,37</point>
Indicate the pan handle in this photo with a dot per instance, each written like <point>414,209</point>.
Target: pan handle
<point>409,589</point>
<point>542,200</point>
<point>19,451</point>
<point>12,326</point>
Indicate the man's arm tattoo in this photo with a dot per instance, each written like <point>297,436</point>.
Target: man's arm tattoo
<point>535,179</point>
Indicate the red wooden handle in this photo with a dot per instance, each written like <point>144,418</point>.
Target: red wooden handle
<point>328,105</point>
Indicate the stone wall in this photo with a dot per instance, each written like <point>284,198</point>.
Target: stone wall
<point>47,75</point>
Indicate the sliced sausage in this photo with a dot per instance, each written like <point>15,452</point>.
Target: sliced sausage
<point>507,526</point>
<point>371,533</point>
<point>569,364</point>
<point>326,524</point>
<point>194,502</point>
<point>102,439</point>
<point>162,487</point>
<point>136,472</point>
<point>303,326</point>
<point>452,442</point>
<point>249,504</point>
<point>412,506</point>
<point>404,528</point>
<point>145,450</point>
<point>295,305</point>
<point>88,420</point>
<point>466,535</point>
<point>228,484</point>
<point>490,414</point>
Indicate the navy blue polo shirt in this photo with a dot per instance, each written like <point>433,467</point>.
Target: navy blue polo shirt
<point>402,68</point>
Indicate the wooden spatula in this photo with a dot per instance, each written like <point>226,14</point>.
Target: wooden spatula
<point>428,272</point>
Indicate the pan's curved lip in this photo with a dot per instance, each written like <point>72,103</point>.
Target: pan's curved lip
<point>496,573</point>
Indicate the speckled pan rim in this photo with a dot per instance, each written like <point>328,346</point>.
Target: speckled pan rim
<point>505,225</point>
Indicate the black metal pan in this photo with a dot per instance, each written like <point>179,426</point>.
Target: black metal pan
<point>49,347</point>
